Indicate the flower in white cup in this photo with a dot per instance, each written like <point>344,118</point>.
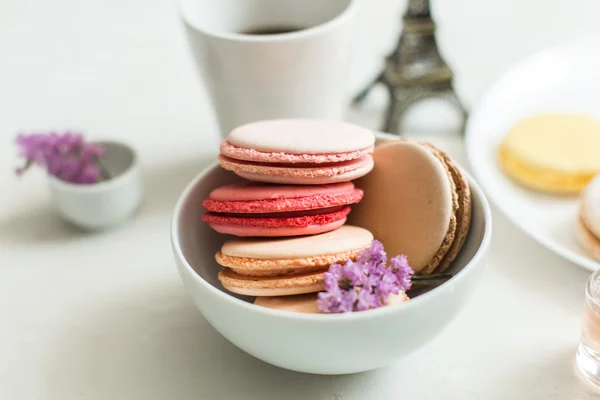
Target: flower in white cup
<point>94,185</point>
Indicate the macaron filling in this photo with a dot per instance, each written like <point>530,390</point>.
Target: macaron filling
<point>272,285</point>
<point>266,191</point>
<point>284,214</point>
<point>298,220</point>
<point>295,170</point>
<point>273,267</point>
<point>241,153</point>
<point>277,231</point>
<point>543,179</point>
<point>260,199</point>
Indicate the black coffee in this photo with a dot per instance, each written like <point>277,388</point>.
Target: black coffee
<point>272,30</point>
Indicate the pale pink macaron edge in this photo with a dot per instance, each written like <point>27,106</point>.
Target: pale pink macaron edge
<point>277,231</point>
<point>240,153</point>
<point>332,173</point>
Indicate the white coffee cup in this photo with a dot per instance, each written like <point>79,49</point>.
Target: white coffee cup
<point>298,74</point>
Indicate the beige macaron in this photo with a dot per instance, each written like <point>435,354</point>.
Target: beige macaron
<point>271,285</point>
<point>416,202</point>
<point>588,221</point>
<point>307,303</point>
<point>287,266</point>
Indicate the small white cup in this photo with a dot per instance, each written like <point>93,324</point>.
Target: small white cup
<point>107,203</point>
<point>250,77</point>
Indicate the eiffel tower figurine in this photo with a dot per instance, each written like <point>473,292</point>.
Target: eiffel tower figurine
<point>415,70</point>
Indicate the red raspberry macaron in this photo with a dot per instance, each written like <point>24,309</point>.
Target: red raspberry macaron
<point>259,209</point>
<point>298,151</point>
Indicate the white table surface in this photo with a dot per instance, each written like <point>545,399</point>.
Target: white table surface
<point>104,316</point>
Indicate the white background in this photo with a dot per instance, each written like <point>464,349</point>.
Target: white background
<point>104,316</point>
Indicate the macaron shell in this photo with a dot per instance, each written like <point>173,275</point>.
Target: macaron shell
<point>271,286</point>
<point>312,217</point>
<point>539,179</point>
<point>302,303</point>
<point>342,240</point>
<point>590,206</point>
<point>394,299</point>
<point>560,141</point>
<point>409,203</point>
<point>240,153</point>
<point>587,240</point>
<point>295,175</point>
<point>284,266</point>
<point>277,231</point>
<point>307,303</point>
<point>257,198</point>
<point>303,180</point>
<point>462,213</point>
<point>250,191</point>
<point>444,249</point>
<point>301,136</point>
<point>555,153</point>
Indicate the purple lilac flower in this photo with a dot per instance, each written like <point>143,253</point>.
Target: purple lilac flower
<point>374,254</point>
<point>402,271</point>
<point>366,283</point>
<point>366,300</point>
<point>65,156</point>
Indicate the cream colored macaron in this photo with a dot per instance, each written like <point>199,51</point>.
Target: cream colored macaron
<point>287,266</point>
<point>588,222</point>
<point>555,153</point>
<point>417,203</point>
<point>307,303</point>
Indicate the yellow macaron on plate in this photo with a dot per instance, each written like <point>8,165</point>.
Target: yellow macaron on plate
<point>556,153</point>
<point>533,143</point>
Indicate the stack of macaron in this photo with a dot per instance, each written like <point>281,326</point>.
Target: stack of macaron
<point>303,180</point>
<point>255,209</point>
<point>289,212</point>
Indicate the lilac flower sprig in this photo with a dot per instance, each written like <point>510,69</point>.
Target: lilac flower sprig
<point>366,283</point>
<point>65,156</point>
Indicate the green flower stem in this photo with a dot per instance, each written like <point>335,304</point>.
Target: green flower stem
<point>434,279</point>
<point>28,164</point>
<point>104,174</point>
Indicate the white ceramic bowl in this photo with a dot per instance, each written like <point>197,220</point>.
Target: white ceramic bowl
<point>318,343</point>
<point>104,204</point>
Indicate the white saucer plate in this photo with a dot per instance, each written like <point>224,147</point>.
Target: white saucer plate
<point>565,78</point>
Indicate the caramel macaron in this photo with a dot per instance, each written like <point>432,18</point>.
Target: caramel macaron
<point>287,266</point>
<point>307,303</point>
<point>416,202</point>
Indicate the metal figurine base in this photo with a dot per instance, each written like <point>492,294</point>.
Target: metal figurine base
<point>415,70</point>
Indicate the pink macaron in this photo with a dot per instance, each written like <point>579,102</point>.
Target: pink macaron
<point>266,210</point>
<point>298,151</point>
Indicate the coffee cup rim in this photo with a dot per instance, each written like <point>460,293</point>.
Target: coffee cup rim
<point>340,18</point>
